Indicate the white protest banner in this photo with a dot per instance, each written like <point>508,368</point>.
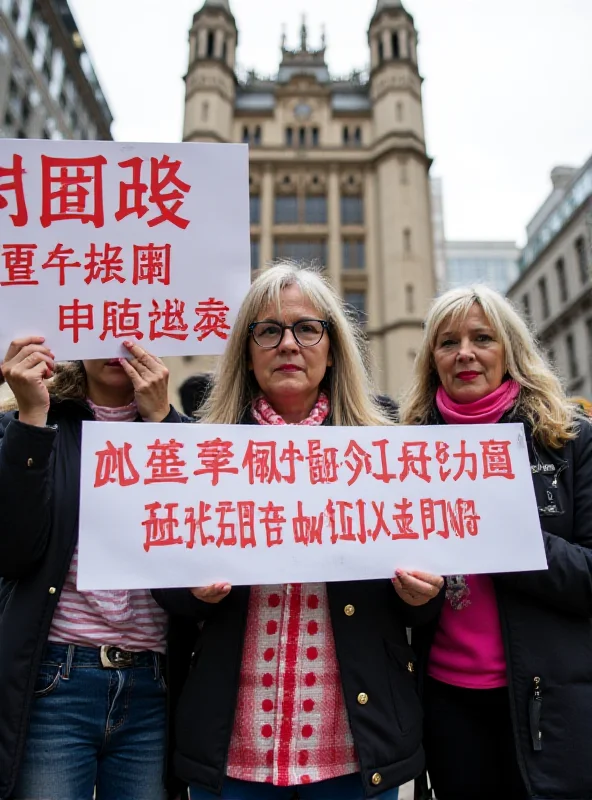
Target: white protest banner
<point>103,241</point>
<point>175,505</point>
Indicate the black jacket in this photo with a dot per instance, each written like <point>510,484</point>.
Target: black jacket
<point>39,499</point>
<point>546,620</point>
<point>373,655</point>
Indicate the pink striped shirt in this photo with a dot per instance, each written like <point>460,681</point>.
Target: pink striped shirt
<point>130,620</point>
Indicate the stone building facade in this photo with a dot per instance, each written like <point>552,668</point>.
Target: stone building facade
<point>338,170</point>
<point>554,289</point>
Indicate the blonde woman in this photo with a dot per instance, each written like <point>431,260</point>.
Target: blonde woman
<point>303,688</point>
<point>507,668</point>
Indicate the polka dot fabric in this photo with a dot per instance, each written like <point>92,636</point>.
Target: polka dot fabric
<point>291,725</point>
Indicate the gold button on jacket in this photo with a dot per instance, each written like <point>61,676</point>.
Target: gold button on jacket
<point>376,778</point>
<point>362,698</point>
<point>52,589</point>
<point>349,610</point>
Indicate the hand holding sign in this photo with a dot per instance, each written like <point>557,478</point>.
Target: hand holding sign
<point>417,588</point>
<point>150,379</point>
<point>27,365</point>
<point>212,594</point>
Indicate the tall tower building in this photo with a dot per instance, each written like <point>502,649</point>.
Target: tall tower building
<point>338,170</point>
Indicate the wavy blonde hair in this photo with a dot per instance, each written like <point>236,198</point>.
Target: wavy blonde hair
<point>68,383</point>
<point>542,400</point>
<point>347,382</point>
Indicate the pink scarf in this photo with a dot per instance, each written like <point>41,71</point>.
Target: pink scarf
<point>264,414</point>
<point>487,410</point>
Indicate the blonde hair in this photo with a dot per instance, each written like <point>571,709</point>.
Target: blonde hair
<point>542,401</point>
<point>347,381</point>
<point>68,383</point>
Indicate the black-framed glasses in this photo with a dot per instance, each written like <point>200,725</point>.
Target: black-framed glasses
<point>307,332</point>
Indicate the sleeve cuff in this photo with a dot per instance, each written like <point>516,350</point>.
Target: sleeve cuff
<point>28,446</point>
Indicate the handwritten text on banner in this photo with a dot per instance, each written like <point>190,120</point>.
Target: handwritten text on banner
<point>188,505</point>
<point>104,241</point>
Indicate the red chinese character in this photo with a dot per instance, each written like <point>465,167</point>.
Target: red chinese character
<point>346,523</point>
<point>261,461</point>
<point>428,508</point>
<point>384,475</point>
<point>114,465</point>
<point>290,455</point>
<point>272,521</point>
<point>196,525</point>
<point>215,456</point>
<point>152,264</point>
<point>76,318</point>
<point>361,461</point>
<point>497,462</point>
<point>105,265</point>
<point>465,458</point>
<point>307,530</point>
<point>160,532</point>
<point>121,320</point>
<point>322,463</point>
<point>20,217</point>
<point>442,458</point>
<point>170,320</point>
<point>18,262</point>
<point>380,526</point>
<point>415,461</point>
<point>468,513</point>
<point>67,184</point>
<point>164,462</point>
<point>213,319</point>
<point>227,536</point>
<point>246,523</point>
<point>403,519</point>
<point>58,259</point>
<point>167,203</point>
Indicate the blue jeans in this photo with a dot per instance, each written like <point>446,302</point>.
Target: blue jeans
<point>347,788</point>
<point>93,726</point>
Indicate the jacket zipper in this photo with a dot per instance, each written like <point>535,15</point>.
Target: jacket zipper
<point>536,706</point>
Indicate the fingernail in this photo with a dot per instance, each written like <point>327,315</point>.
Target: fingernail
<point>226,587</point>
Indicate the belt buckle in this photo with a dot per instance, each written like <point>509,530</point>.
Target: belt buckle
<point>114,657</point>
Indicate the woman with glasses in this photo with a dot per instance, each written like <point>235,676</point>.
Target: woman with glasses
<point>299,690</point>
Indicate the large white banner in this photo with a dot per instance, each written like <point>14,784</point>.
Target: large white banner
<point>103,241</point>
<point>189,505</point>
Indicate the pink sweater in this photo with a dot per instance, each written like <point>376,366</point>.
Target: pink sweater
<point>468,649</point>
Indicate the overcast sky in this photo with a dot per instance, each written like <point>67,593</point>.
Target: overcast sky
<point>507,91</point>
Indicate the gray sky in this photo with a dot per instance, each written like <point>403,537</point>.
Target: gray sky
<point>507,91</point>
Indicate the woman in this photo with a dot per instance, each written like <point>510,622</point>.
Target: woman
<point>508,665</point>
<point>299,685</point>
<point>82,696</point>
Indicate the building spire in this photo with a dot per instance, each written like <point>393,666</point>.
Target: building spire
<point>382,5</point>
<point>224,4</point>
<point>303,35</point>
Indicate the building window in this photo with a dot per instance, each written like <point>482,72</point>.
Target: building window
<point>211,44</point>
<point>358,137</point>
<point>302,137</point>
<point>407,241</point>
<point>289,137</point>
<point>399,112</point>
<point>409,298</point>
<point>582,259</point>
<point>380,52</point>
<point>315,210</point>
<point>225,51</point>
<point>255,209</point>
<point>356,303</point>
<point>395,45</point>
<point>345,135</point>
<point>544,295</point>
<point>307,250</point>
<point>246,136</point>
<point>315,137</point>
<point>352,210</point>
<point>551,357</point>
<point>526,306</point>
<point>354,254</point>
<point>257,136</point>
<point>286,209</point>
<point>205,110</point>
<point>254,254</point>
<point>572,361</point>
<point>561,279</point>
<point>404,173</point>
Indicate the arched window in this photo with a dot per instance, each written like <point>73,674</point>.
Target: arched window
<point>409,298</point>
<point>225,52</point>
<point>358,137</point>
<point>345,135</point>
<point>246,136</point>
<point>205,110</point>
<point>399,111</point>
<point>211,44</point>
<point>257,136</point>
<point>380,52</point>
<point>407,241</point>
<point>302,137</point>
<point>395,45</point>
